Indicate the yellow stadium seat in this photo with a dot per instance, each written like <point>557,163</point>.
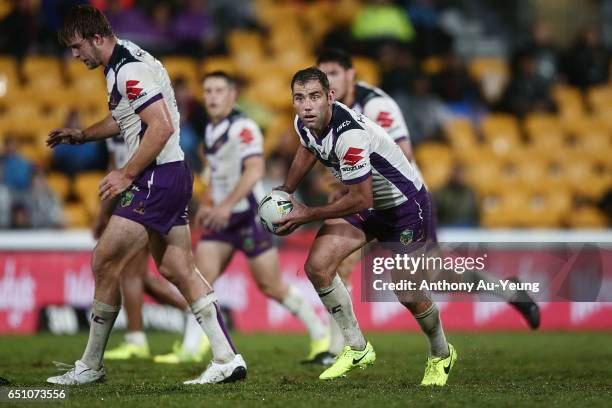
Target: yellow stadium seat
<point>504,210</point>
<point>460,133</point>
<point>587,217</point>
<point>36,154</point>
<point>86,185</point>
<point>436,174</point>
<point>595,145</point>
<point>245,40</point>
<point>211,64</point>
<point>432,65</point>
<point>60,184</point>
<point>599,96</point>
<point>427,153</point>
<point>185,67</point>
<point>366,70</point>
<point>25,118</point>
<point>501,132</point>
<point>492,73</point>
<point>545,131</point>
<point>278,130</point>
<point>271,91</point>
<point>41,66</point>
<point>569,101</point>
<point>484,175</point>
<point>77,216</point>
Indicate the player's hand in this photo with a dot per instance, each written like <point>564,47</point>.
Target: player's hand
<point>217,218</point>
<point>202,214</point>
<point>115,183</point>
<point>299,215</point>
<point>66,136</point>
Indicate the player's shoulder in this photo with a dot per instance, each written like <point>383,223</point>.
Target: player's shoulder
<point>238,122</point>
<point>345,119</point>
<point>365,93</point>
<point>126,55</point>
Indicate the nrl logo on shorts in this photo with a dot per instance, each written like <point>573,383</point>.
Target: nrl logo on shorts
<point>406,237</point>
<point>127,198</point>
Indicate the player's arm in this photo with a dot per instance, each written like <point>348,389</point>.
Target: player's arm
<point>406,147</point>
<point>158,120</point>
<point>103,129</point>
<point>357,198</point>
<point>303,162</point>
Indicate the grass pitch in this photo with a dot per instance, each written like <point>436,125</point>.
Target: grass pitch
<point>501,369</point>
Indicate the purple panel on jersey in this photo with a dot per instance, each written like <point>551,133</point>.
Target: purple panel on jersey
<point>244,232</point>
<point>408,222</point>
<point>154,98</point>
<point>159,197</point>
<point>393,175</point>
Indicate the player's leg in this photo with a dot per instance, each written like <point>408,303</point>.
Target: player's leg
<point>211,259</point>
<point>175,261</point>
<point>336,343</point>
<point>163,292</point>
<point>132,288</point>
<point>121,240</point>
<point>265,268</point>
<point>333,243</point>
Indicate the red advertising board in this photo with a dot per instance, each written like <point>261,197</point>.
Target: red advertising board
<point>30,280</point>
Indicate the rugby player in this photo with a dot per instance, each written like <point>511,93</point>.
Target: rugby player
<point>379,107</point>
<point>135,281</point>
<point>233,146</point>
<point>154,189</point>
<point>384,199</point>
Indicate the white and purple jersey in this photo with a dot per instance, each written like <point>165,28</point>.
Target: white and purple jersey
<point>134,80</point>
<point>379,107</point>
<point>227,144</point>
<point>354,147</point>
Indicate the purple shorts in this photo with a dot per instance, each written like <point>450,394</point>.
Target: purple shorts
<point>244,232</point>
<point>407,223</point>
<point>159,197</point>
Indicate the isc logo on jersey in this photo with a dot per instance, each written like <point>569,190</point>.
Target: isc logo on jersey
<point>351,158</point>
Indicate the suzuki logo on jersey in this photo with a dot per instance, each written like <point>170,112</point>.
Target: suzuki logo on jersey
<point>131,90</point>
<point>353,156</point>
<point>384,119</point>
<point>246,136</point>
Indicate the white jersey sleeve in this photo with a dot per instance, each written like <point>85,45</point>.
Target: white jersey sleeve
<point>353,150</point>
<point>386,113</point>
<point>136,82</point>
<point>248,136</point>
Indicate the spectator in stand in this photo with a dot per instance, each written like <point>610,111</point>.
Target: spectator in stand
<point>72,159</point>
<point>455,85</point>
<point>424,111</point>
<point>430,38</point>
<point>20,219</point>
<point>19,29</point>
<point>16,170</point>
<point>545,53</point>
<point>528,91</point>
<point>44,207</point>
<point>588,62</point>
<point>456,202</point>
<point>380,22</point>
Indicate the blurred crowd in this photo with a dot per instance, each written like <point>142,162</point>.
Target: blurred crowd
<point>421,54</point>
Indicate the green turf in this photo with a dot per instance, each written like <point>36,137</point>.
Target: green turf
<point>519,369</point>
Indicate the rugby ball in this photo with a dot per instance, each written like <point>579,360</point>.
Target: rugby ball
<point>272,208</point>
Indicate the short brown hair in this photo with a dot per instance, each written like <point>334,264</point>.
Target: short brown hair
<point>310,74</point>
<point>84,21</point>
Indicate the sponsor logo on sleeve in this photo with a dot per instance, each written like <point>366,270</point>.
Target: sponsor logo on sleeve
<point>351,159</point>
<point>132,91</point>
<point>384,119</point>
<point>246,136</point>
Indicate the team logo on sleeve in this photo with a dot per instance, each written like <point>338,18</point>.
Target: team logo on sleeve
<point>384,119</point>
<point>353,156</point>
<point>132,91</point>
<point>246,136</point>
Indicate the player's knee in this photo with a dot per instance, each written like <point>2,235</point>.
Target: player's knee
<point>315,269</point>
<point>268,289</point>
